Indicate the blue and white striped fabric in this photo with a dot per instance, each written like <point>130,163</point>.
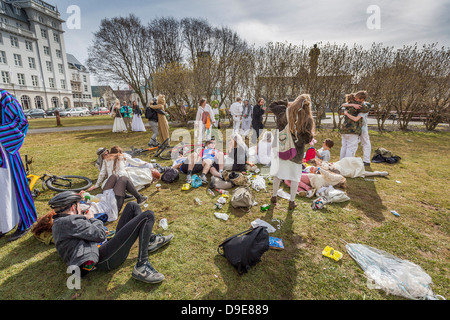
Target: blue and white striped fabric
<point>13,129</point>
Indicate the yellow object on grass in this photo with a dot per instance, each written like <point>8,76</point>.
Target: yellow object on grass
<point>331,253</point>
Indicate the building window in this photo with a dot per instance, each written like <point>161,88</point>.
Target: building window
<point>25,102</point>
<point>39,102</point>
<point>63,84</point>
<point>35,81</point>
<point>61,68</point>
<point>51,82</point>
<point>46,50</point>
<point>17,60</point>
<point>58,53</point>
<point>5,76</point>
<point>55,102</point>
<point>41,20</point>
<point>44,33</point>
<point>14,42</point>
<point>32,63</point>
<point>29,45</point>
<point>1,38</point>
<point>21,79</point>
<point>3,57</point>
<point>49,66</point>
<point>85,88</point>
<point>84,78</point>
<point>56,37</point>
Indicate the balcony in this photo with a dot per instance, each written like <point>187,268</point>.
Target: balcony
<point>17,31</point>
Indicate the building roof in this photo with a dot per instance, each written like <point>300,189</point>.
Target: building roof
<point>74,63</point>
<point>13,11</point>
<point>98,91</point>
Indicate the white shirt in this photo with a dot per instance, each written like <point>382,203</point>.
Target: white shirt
<point>236,109</point>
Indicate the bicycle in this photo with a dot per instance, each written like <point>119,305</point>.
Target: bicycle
<point>55,183</point>
<point>159,149</point>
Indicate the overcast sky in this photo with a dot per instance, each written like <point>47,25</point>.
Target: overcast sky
<point>402,22</point>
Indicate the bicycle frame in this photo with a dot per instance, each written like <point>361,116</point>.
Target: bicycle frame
<point>32,178</point>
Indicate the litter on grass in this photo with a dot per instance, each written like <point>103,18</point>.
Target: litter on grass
<point>222,216</point>
<point>261,223</point>
<point>391,274</point>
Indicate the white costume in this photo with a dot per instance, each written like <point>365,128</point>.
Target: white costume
<point>137,124</point>
<point>236,113</point>
<point>200,131</point>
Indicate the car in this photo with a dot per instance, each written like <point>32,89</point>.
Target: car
<point>35,113</point>
<point>99,111</point>
<point>51,112</point>
<point>74,112</point>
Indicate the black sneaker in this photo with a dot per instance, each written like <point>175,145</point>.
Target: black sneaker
<point>159,242</point>
<point>142,200</point>
<point>18,234</point>
<point>147,273</point>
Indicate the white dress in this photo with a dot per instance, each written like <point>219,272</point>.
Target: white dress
<point>137,124</point>
<point>119,125</point>
<point>9,213</point>
<point>284,169</point>
<point>139,176</point>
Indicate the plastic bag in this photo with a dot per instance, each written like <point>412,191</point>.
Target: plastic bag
<point>261,223</point>
<point>332,195</point>
<point>283,194</point>
<point>196,181</point>
<point>391,274</point>
<point>259,183</point>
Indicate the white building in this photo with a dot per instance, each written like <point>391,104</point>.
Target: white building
<point>80,83</point>
<point>33,61</point>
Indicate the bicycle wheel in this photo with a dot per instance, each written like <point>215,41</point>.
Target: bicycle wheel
<point>163,146</point>
<point>68,183</point>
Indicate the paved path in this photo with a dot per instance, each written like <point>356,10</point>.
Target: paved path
<point>328,120</point>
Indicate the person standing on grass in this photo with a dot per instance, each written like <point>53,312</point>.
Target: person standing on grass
<point>152,117</point>
<point>16,202</point>
<point>364,139</point>
<point>77,236</point>
<point>163,124</point>
<point>257,120</point>
<point>137,124</point>
<point>125,110</point>
<point>236,113</point>
<point>119,124</point>
<point>247,111</point>
<point>351,127</point>
<point>295,116</point>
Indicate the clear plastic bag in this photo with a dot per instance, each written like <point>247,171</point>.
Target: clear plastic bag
<point>391,274</point>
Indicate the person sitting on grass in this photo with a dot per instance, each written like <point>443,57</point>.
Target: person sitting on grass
<point>210,155</point>
<point>238,155</point>
<point>191,164</point>
<point>324,152</point>
<point>77,236</point>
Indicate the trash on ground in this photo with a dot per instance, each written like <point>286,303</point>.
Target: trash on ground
<point>186,186</point>
<point>318,204</point>
<point>265,207</point>
<point>330,194</point>
<point>222,216</point>
<point>283,194</point>
<point>331,253</point>
<point>398,181</point>
<point>276,243</point>
<point>163,224</point>
<point>366,179</point>
<point>198,201</point>
<point>391,274</point>
<point>261,223</point>
<point>395,213</point>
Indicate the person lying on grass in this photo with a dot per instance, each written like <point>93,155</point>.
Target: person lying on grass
<point>77,236</point>
<point>350,167</point>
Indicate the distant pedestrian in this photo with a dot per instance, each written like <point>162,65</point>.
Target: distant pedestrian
<point>257,120</point>
<point>126,115</point>
<point>119,124</point>
<point>236,113</point>
<point>152,117</point>
<point>136,123</point>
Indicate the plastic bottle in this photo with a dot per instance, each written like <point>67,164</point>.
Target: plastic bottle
<point>211,192</point>
<point>198,201</point>
<point>163,224</point>
<point>265,207</point>
<point>87,196</point>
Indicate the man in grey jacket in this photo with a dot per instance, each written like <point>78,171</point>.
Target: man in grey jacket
<point>77,235</point>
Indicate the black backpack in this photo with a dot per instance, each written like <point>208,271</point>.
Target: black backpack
<point>170,175</point>
<point>148,113</point>
<point>244,250</point>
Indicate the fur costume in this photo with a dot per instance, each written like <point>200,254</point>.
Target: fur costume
<point>325,179</point>
<point>163,124</point>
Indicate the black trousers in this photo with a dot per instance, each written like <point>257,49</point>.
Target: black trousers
<point>120,185</point>
<point>133,224</point>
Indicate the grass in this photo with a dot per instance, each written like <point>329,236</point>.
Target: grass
<point>194,270</point>
<point>71,122</point>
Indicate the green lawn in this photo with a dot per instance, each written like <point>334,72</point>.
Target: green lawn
<point>193,269</point>
<point>71,122</point>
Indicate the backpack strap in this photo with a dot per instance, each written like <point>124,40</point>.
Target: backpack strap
<point>232,237</point>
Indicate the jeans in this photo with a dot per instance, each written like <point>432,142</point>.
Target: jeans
<point>154,128</point>
<point>132,225</point>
